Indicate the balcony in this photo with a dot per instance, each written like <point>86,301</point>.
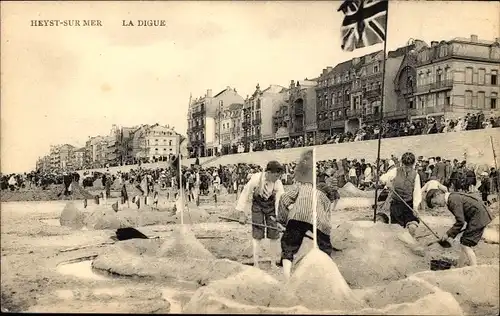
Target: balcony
<point>372,94</point>
<point>435,86</point>
<point>353,113</point>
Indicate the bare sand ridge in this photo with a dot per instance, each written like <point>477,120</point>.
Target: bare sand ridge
<point>475,288</point>
<point>139,300</point>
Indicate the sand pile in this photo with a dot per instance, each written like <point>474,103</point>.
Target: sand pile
<point>373,253</point>
<point>250,287</point>
<point>492,232</point>
<point>253,291</point>
<point>144,217</point>
<point>72,217</point>
<point>192,216</point>
<point>105,218</point>
<point>316,278</point>
<point>183,244</point>
<point>180,260</point>
<point>475,288</point>
<point>349,190</point>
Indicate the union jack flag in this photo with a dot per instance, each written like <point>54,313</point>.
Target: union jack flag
<point>365,23</point>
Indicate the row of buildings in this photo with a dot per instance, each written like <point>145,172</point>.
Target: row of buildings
<point>123,145</point>
<point>445,79</point>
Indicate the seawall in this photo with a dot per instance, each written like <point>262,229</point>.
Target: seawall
<point>474,145</point>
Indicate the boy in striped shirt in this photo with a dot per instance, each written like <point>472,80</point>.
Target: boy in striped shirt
<point>298,220</point>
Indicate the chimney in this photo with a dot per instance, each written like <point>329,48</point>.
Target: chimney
<point>228,88</point>
<point>324,71</point>
<point>473,38</point>
<point>329,69</point>
<point>209,93</point>
<point>497,39</point>
<point>434,43</point>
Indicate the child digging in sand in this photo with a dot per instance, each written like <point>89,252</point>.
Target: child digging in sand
<point>467,210</point>
<point>299,219</point>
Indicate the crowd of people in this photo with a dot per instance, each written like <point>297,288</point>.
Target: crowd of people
<point>454,174</point>
<point>428,125</point>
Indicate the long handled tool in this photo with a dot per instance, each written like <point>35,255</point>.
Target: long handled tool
<point>443,243</point>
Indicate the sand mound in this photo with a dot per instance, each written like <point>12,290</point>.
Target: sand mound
<point>192,216</point>
<point>316,278</point>
<point>138,218</point>
<point>183,244</point>
<point>104,218</point>
<point>72,217</point>
<point>250,291</point>
<point>349,190</point>
<point>126,263</point>
<point>492,232</point>
<point>397,292</point>
<point>250,287</point>
<point>373,253</point>
<point>475,288</point>
<point>141,247</point>
<point>439,303</point>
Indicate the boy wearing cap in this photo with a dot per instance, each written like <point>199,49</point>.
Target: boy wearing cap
<point>467,210</point>
<point>262,192</point>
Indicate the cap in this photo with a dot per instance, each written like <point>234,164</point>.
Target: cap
<point>274,167</point>
<point>429,196</point>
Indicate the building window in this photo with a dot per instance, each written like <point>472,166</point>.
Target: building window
<point>439,75</point>
<point>480,99</point>
<point>468,98</point>
<point>375,68</point>
<point>447,101</point>
<point>468,75</point>
<point>493,101</point>
<point>494,75</point>
<point>221,103</point>
<point>480,76</point>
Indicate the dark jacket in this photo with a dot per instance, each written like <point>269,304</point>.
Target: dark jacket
<point>467,209</point>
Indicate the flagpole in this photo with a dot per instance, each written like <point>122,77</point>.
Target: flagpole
<point>381,117</point>
<point>181,191</point>
<point>314,199</point>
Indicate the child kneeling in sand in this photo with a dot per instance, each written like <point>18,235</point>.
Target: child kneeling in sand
<point>467,210</point>
<point>298,220</point>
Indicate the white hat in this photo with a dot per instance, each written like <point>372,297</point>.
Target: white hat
<point>391,163</point>
<point>484,173</point>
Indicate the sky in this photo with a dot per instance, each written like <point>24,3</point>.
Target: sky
<point>64,84</point>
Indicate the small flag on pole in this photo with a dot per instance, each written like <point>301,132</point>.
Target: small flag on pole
<point>365,23</point>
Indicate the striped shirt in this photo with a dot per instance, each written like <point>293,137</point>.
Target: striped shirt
<point>301,198</point>
<point>333,182</point>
